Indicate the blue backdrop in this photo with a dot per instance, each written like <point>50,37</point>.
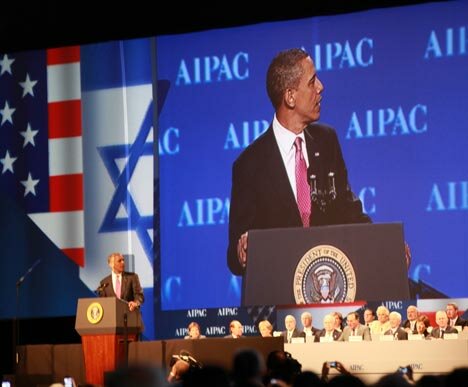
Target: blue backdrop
<point>395,89</point>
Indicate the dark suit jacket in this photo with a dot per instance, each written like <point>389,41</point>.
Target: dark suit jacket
<point>296,333</point>
<point>336,335</point>
<point>130,288</point>
<point>407,324</point>
<point>436,331</point>
<point>362,330</point>
<point>400,334</point>
<point>460,321</point>
<point>262,197</point>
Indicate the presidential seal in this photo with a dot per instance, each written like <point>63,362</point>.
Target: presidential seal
<point>94,313</point>
<point>324,275</point>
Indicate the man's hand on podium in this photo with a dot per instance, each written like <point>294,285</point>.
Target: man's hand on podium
<point>132,305</point>
<point>242,249</point>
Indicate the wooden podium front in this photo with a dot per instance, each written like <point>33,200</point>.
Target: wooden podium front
<point>101,323</point>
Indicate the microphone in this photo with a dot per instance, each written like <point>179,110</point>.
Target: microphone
<point>102,287</point>
<point>21,280</point>
<point>322,191</point>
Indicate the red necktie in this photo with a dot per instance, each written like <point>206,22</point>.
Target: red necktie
<point>302,184</point>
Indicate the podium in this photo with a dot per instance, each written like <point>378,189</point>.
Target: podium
<point>101,323</point>
<point>328,264</point>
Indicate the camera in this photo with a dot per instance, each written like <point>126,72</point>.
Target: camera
<point>68,381</point>
<point>332,364</point>
<point>403,370</point>
<point>6,383</point>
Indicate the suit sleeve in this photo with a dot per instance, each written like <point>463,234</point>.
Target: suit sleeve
<point>137,290</point>
<point>241,212</point>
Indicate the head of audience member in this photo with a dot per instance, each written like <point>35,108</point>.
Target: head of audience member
<point>346,380</point>
<point>235,327</point>
<point>182,365</point>
<point>441,319</point>
<point>369,316</point>
<point>116,262</point>
<point>209,376</point>
<point>282,366</point>
<point>429,381</point>
<point>412,313</point>
<point>422,324</point>
<point>395,320</point>
<point>290,322</point>
<point>135,375</point>
<point>338,320</point>
<point>457,378</point>
<point>307,379</point>
<point>452,310</point>
<point>382,314</point>
<point>329,323</point>
<point>248,368</point>
<point>194,330</point>
<point>265,328</point>
<point>352,319</point>
<point>306,319</point>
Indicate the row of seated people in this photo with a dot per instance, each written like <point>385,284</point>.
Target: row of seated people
<point>416,326</point>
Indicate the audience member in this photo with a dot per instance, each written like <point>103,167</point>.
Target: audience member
<point>291,330</point>
<point>442,328</point>
<point>354,328</point>
<point>453,318</point>
<point>248,369</point>
<point>396,330</point>
<point>194,331</point>
<point>422,326</point>
<point>412,315</point>
<point>235,329</point>
<point>265,328</point>
<point>328,332</point>
<point>382,324</point>
<point>309,330</point>
<point>369,316</point>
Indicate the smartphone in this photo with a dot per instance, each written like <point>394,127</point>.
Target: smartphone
<point>403,370</point>
<point>6,383</point>
<point>68,381</point>
<point>332,364</point>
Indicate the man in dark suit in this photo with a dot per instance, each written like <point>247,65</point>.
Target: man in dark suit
<point>354,328</point>
<point>121,284</point>
<point>443,327</point>
<point>410,323</point>
<point>328,332</point>
<point>396,330</point>
<point>453,318</point>
<point>269,178</point>
<point>291,330</point>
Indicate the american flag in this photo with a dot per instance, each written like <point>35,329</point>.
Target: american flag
<point>41,163</point>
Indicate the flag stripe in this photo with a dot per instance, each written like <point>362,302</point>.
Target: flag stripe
<point>63,82</point>
<point>65,229</point>
<point>66,192</point>
<point>65,156</point>
<point>63,55</point>
<point>65,119</point>
<point>76,255</point>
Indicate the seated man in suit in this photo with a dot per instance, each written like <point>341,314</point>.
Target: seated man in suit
<point>291,330</point>
<point>369,316</point>
<point>412,315</point>
<point>454,318</point>
<point>329,330</point>
<point>121,284</point>
<point>354,328</point>
<point>235,329</point>
<point>306,319</point>
<point>396,330</point>
<point>443,327</point>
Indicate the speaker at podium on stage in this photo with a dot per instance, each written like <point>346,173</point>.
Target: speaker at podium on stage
<point>329,264</point>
